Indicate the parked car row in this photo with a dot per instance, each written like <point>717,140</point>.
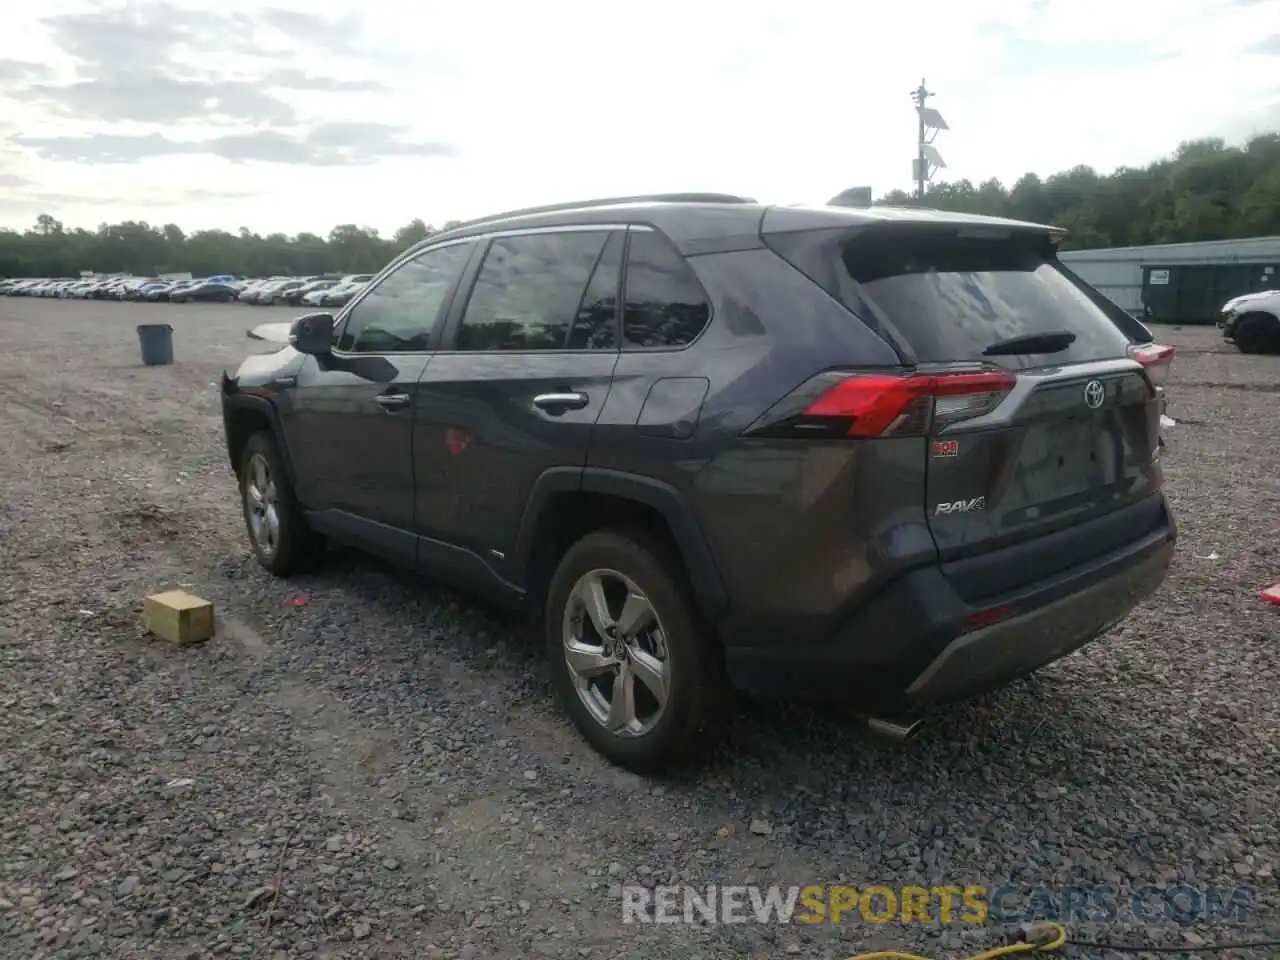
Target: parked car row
<point>324,291</point>
<point>329,290</point>
<point>154,289</point>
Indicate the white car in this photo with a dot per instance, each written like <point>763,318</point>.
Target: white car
<point>343,293</point>
<point>313,298</point>
<point>1235,303</point>
<point>1252,322</point>
<point>250,290</point>
<point>259,290</point>
<point>269,293</point>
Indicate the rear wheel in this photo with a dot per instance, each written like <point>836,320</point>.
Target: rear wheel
<point>634,667</point>
<point>1257,333</point>
<point>279,534</point>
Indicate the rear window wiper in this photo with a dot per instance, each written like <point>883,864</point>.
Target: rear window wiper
<point>1051,341</point>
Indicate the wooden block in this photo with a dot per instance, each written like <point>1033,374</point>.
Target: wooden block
<point>178,617</point>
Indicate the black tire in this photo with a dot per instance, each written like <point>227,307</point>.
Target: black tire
<point>297,548</point>
<point>696,711</point>
<point>1257,333</point>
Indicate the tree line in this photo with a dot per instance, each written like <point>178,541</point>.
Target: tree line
<point>50,249</point>
<point>1206,191</point>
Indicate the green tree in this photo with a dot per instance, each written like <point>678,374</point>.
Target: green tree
<point>49,249</point>
<point>1205,191</point>
<point>47,226</point>
<point>413,232</point>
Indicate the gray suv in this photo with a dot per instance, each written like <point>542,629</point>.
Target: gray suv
<point>892,455</point>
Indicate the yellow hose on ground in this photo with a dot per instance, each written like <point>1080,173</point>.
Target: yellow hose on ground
<point>1057,938</point>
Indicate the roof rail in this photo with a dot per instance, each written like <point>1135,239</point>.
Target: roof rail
<point>607,201</point>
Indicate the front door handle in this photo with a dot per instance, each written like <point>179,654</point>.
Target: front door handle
<point>392,401</point>
<point>560,401</point>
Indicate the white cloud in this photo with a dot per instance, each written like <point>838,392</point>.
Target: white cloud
<point>571,98</point>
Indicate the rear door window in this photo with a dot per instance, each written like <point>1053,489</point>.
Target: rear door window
<point>530,291</point>
<point>952,296</point>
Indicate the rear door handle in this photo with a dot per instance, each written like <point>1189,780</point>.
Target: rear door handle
<point>392,401</point>
<point>560,401</point>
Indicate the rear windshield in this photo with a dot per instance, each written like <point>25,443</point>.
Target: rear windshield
<point>952,296</point>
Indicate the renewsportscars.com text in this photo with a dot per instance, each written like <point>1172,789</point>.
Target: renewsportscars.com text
<point>1178,904</point>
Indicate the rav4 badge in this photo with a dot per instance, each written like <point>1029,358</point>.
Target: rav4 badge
<point>961,506</point>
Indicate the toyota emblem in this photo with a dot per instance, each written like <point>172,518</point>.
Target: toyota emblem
<point>1094,394</point>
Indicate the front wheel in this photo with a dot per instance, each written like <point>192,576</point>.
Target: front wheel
<point>1257,333</point>
<point>279,534</point>
<point>635,668</point>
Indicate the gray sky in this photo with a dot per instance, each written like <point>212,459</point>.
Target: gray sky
<point>239,113</point>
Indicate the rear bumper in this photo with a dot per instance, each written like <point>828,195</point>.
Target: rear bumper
<point>914,644</point>
<point>987,657</point>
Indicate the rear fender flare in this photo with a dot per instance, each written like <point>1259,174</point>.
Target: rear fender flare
<point>708,589</point>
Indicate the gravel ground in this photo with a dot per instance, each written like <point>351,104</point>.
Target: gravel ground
<point>362,764</point>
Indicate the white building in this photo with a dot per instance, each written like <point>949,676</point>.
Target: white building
<point>1119,272</point>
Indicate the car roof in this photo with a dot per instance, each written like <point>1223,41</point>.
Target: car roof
<point>699,223</point>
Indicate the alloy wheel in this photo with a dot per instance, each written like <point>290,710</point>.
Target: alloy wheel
<point>262,505</point>
<point>616,652</point>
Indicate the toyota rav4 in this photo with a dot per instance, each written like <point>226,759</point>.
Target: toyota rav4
<point>892,456</point>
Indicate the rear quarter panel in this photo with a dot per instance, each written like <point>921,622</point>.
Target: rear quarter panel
<point>799,530</point>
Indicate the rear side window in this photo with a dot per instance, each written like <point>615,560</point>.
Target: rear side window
<point>952,296</point>
<point>529,291</point>
<point>595,327</point>
<point>665,305</point>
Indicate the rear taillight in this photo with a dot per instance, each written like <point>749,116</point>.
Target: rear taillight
<point>884,404</point>
<point>1155,358</point>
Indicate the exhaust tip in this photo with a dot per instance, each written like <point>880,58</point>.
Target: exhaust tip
<point>898,730</point>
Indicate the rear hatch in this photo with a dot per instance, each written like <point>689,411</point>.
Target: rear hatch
<point>1041,414</point>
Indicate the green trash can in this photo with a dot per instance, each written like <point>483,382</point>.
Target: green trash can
<point>156,341</point>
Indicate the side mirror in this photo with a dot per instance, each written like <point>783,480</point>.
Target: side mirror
<point>312,334</point>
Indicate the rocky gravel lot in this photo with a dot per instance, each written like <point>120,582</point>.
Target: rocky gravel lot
<point>362,764</point>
